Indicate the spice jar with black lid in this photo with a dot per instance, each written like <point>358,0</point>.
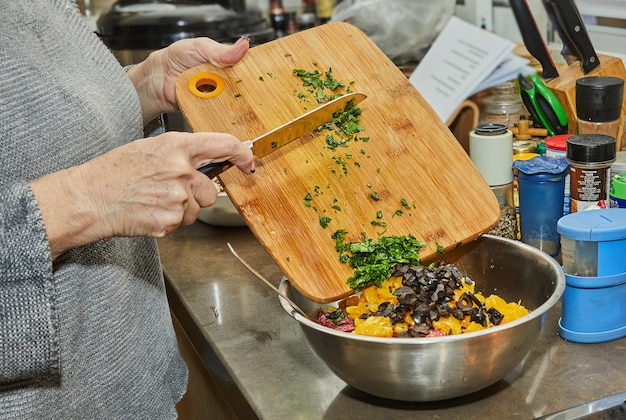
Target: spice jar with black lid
<point>590,157</point>
<point>599,104</point>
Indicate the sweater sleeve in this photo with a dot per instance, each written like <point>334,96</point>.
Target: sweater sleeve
<point>28,321</point>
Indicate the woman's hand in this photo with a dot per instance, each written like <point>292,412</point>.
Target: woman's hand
<point>145,188</point>
<point>155,77</point>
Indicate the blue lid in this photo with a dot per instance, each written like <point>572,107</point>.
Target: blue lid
<point>596,225</point>
<point>541,165</point>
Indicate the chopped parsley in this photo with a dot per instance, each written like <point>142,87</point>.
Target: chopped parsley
<point>324,221</point>
<point>373,261</point>
<point>307,200</point>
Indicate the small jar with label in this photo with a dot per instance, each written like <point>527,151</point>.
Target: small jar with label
<point>599,104</point>
<point>590,157</point>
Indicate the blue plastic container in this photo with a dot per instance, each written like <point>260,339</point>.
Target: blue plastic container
<point>593,249</point>
<point>541,183</point>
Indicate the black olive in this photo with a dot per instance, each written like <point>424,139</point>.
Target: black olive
<point>444,310</point>
<point>384,309</point>
<point>395,318</point>
<point>458,314</point>
<point>423,309</point>
<point>465,303</point>
<point>477,301</point>
<point>419,318</point>
<point>333,314</point>
<point>495,316</point>
<point>434,315</point>
<point>480,317</point>
<point>419,330</point>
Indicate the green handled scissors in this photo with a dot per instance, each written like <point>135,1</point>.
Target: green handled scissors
<point>542,104</point>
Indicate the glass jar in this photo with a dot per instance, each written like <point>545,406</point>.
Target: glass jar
<point>507,223</point>
<point>503,105</point>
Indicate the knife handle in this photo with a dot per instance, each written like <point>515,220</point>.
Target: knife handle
<point>568,15</point>
<point>215,168</point>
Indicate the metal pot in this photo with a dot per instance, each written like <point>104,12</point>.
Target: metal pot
<point>132,29</point>
<point>438,368</point>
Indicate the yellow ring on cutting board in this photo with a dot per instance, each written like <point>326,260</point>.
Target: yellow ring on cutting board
<point>205,80</point>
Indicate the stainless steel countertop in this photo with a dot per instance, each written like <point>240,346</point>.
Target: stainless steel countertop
<point>266,368</point>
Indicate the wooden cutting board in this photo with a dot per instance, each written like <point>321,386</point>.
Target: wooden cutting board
<point>406,154</point>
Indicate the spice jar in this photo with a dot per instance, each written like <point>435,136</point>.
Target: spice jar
<point>599,104</point>
<point>590,157</point>
<point>491,151</point>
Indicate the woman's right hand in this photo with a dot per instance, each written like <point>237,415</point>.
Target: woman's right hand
<point>145,188</point>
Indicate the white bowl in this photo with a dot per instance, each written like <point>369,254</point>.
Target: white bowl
<point>222,213</point>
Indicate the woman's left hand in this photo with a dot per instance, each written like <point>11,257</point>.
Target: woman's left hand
<point>155,77</point>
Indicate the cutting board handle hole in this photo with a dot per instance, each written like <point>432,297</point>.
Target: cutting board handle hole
<point>206,85</point>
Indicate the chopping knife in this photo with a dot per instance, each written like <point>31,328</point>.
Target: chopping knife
<point>532,38</point>
<point>565,16</point>
<point>568,51</point>
<point>280,136</point>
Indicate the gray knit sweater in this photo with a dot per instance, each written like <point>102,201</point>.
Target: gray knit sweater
<point>89,336</point>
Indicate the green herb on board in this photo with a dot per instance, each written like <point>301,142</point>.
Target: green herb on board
<point>324,221</point>
<point>405,203</point>
<point>307,199</point>
<point>237,95</point>
<point>440,248</point>
<point>374,196</point>
<point>379,214</point>
<point>378,223</point>
<point>261,78</point>
<point>398,212</point>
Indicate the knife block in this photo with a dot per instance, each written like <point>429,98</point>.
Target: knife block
<point>564,88</point>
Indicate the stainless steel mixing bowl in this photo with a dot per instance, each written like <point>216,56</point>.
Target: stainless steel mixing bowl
<point>437,368</point>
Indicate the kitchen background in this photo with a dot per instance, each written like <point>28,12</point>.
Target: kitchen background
<point>605,19</point>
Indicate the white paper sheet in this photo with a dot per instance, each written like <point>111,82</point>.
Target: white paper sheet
<point>461,61</point>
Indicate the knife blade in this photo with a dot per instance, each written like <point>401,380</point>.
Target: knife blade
<point>568,51</point>
<point>532,38</point>
<point>569,20</point>
<point>292,130</point>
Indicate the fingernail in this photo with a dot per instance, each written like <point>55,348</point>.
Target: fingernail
<point>252,170</point>
<point>245,37</point>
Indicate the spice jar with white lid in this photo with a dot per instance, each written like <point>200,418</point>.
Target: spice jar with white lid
<point>491,151</point>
